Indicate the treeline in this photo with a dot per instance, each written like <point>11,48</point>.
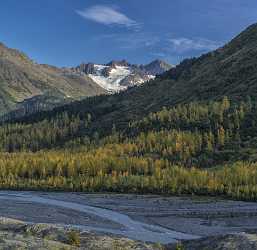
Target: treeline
<point>206,117</point>
<point>212,117</point>
<point>43,135</point>
<point>167,152</point>
<point>189,135</point>
<point>103,171</point>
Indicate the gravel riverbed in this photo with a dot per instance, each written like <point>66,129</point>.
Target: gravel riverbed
<point>138,217</point>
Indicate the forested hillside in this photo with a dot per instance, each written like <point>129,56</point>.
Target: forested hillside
<point>191,131</point>
<point>229,71</point>
<point>170,152</point>
<point>189,134</point>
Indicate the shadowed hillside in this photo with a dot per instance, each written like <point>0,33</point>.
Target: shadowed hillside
<point>178,134</point>
<point>21,79</point>
<point>230,70</point>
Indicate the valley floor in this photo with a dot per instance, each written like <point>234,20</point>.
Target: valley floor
<point>156,219</point>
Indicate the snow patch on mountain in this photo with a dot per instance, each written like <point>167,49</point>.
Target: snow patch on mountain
<point>117,78</point>
<point>120,75</point>
<point>111,80</point>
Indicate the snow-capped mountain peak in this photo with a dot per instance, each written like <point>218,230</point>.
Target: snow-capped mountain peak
<point>109,77</point>
<point>119,75</point>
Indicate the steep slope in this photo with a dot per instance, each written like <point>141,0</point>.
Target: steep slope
<point>231,71</point>
<point>157,67</point>
<point>118,143</point>
<point>22,79</point>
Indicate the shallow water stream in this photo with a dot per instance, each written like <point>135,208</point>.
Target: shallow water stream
<point>129,228</point>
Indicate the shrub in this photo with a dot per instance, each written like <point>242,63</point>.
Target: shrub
<point>74,238</point>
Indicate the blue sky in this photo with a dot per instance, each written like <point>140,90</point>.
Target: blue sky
<point>68,32</point>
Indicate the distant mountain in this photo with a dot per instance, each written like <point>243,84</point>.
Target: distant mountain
<point>22,79</point>
<point>228,71</point>
<point>200,114</point>
<point>27,87</point>
<point>157,67</point>
<point>116,76</point>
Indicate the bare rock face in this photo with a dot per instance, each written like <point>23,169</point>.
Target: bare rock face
<point>107,71</point>
<point>120,75</point>
<point>157,67</point>
<point>87,68</point>
<point>122,63</point>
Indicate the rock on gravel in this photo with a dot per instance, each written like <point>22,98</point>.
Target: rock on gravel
<point>15,234</point>
<point>240,241</point>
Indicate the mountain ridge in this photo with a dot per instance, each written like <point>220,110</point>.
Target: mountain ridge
<point>117,75</point>
<point>190,131</point>
<point>27,87</point>
<point>230,70</point>
<point>21,79</point>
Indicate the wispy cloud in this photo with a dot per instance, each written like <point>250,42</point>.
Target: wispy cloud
<point>108,16</point>
<point>138,41</point>
<point>131,40</point>
<point>182,45</point>
<point>171,48</point>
